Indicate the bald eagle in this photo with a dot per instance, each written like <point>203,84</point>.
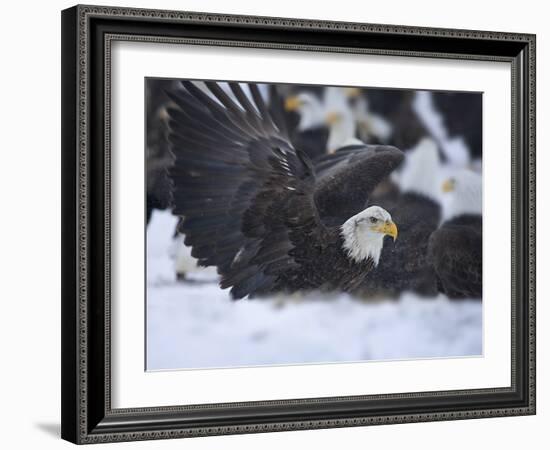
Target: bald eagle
<point>455,249</point>
<point>325,124</point>
<point>371,127</point>
<point>253,206</point>
<point>310,133</point>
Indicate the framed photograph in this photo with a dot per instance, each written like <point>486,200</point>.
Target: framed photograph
<point>280,224</point>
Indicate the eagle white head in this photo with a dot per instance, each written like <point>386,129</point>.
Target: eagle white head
<point>364,233</point>
<point>333,111</point>
<point>465,188</point>
<point>420,170</point>
<point>310,108</point>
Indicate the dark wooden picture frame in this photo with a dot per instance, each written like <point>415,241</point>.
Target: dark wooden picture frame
<point>87,34</point>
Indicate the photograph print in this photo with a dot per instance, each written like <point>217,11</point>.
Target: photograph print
<point>305,224</point>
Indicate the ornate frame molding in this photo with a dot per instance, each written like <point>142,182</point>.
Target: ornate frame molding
<point>78,425</point>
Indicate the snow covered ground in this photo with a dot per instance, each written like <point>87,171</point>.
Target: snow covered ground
<point>194,324</point>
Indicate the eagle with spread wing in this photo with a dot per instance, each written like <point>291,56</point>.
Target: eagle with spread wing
<point>256,207</point>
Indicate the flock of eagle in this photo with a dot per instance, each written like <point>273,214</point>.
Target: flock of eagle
<point>281,194</point>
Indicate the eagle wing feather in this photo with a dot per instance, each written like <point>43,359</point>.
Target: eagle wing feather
<point>242,189</point>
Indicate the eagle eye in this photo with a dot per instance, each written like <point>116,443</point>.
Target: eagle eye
<point>373,220</point>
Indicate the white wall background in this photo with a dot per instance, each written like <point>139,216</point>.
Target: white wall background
<point>30,223</point>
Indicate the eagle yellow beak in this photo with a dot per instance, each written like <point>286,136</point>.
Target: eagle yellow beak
<point>388,228</point>
<point>332,118</point>
<point>292,103</point>
<point>448,185</point>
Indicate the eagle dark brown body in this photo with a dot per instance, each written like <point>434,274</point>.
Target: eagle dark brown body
<point>456,252</point>
<point>254,206</point>
<point>406,266</point>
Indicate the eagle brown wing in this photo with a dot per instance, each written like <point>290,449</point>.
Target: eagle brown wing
<point>346,179</point>
<point>245,194</point>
